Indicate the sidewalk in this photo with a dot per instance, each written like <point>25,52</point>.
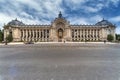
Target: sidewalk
<point>21,43</point>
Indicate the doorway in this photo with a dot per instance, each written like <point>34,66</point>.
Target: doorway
<point>60,35</point>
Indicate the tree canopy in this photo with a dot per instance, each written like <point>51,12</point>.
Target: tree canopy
<point>110,37</point>
<point>9,38</point>
<point>1,35</point>
<point>118,37</point>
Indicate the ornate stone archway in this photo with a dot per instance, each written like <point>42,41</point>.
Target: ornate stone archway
<point>60,35</point>
<point>60,29</point>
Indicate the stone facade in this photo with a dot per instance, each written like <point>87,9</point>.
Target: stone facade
<point>60,30</point>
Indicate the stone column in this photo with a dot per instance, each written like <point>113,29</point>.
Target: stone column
<point>90,34</point>
<point>74,33</point>
<point>100,34</point>
<point>83,34</point>
<point>42,35</point>
<point>80,34</point>
<point>36,34</point>
<point>26,35</point>
<point>96,34</point>
<point>87,34</point>
<point>39,35</point>
<point>23,35</point>
<point>33,35</point>
<point>30,35</point>
<point>46,35</point>
<point>93,34</point>
<point>77,35</point>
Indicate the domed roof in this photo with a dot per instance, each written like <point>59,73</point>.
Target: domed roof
<point>15,22</point>
<point>104,22</point>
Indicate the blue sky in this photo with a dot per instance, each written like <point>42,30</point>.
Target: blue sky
<point>75,11</point>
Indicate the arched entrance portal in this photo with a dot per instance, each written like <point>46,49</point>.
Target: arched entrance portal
<point>60,35</point>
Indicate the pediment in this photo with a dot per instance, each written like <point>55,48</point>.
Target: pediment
<point>60,22</point>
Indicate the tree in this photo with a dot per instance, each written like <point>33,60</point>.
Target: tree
<point>1,36</point>
<point>110,37</point>
<point>9,38</point>
<point>118,37</point>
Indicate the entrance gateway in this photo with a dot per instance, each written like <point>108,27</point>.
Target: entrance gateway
<point>60,30</point>
<point>60,35</point>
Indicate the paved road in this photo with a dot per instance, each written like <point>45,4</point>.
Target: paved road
<point>60,62</point>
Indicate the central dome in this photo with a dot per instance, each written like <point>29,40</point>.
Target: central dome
<point>15,22</point>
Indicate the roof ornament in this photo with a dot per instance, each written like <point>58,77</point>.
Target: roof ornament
<point>103,19</point>
<point>60,15</point>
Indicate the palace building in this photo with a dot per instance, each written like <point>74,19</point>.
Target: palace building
<point>58,31</point>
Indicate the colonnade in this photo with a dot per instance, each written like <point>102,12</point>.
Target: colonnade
<point>88,34</point>
<point>35,35</point>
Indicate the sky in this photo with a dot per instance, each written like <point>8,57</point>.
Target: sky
<point>75,11</point>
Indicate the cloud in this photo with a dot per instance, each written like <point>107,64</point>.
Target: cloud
<point>91,9</point>
<point>118,30</point>
<point>29,11</point>
<point>43,12</point>
<point>4,19</point>
<point>115,19</point>
<point>84,20</point>
<point>115,2</point>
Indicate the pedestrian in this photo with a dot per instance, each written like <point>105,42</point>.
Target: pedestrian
<point>104,41</point>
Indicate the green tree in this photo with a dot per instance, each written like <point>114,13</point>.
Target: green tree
<point>1,36</point>
<point>9,38</point>
<point>110,37</point>
<point>118,37</point>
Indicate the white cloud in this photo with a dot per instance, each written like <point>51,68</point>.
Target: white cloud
<point>26,15</point>
<point>94,8</point>
<point>90,9</point>
<point>77,20</point>
<point>84,20</point>
<point>115,2</point>
<point>77,1</point>
<point>115,19</point>
<point>15,9</point>
<point>118,30</point>
<point>108,3</point>
<point>48,9</point>
<point>96,18</point>
<point>30,3</point>
<point>4,19</point>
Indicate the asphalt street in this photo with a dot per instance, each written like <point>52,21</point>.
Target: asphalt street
<point>60,62</point>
